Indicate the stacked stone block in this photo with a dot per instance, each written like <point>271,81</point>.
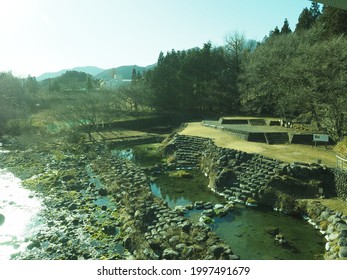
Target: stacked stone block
<point>186,150</point>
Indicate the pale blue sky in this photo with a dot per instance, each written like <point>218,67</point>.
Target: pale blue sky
<point>40,36</point>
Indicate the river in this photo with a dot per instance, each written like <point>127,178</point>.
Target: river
<point>19,210</point>
<point>245,229</point>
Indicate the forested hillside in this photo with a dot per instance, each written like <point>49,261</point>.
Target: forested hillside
<point>295,73</point>
<point>289,74</point>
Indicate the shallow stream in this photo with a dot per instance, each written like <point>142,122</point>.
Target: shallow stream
<point>245,229</point>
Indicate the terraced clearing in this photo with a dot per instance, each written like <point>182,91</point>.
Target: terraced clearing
<point>284,152</point>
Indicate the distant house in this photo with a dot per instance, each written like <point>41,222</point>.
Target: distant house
<point>114,82</point>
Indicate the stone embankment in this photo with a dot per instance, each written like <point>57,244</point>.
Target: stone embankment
<point>341,183</point>
<point>333,225</point>
<point>251,179</point>
<point>151,230</point>
<point>99,206</point>
<point>240,176</point>
<point>187,151</point>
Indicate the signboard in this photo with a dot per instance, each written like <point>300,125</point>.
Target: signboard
<point>320,138</point>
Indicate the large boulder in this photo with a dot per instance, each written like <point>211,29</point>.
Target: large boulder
<point>343,252</point>
<point>293,186</point>
<point>170,148</point>
<point>219,250</point>
<point>225,179</point>
<point>170,254</point>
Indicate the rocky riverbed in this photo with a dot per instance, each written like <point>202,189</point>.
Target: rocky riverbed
<point>98,206</point>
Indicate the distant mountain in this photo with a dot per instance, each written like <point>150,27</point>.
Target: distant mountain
<point>50,75</point>
<point>91,70</point>
<point>124,71</point>
<point>98,73</point>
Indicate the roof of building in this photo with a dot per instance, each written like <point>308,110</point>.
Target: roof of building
<point>341,4</point>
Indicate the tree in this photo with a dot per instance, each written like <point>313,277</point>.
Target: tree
<point>90,112</point>
<point>13,103</point>
<point>235,45</point>
<point>305,21</point>
<point>132,95</point>
<point>329,64</point>
<point>31,86</point>
<point>274,32</point>
<point>315,10</point>
<point>89,83</point>
<point>299,73</point>
<point>163,82</point>
<point>308,17</point>
<point>334,21</point>
<point>285,28</point>
<point>53,86</point>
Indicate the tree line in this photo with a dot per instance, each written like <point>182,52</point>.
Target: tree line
<point>301,73</point>
<point>298,74</point>
<point>292,74</point>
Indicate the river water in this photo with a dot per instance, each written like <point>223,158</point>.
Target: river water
<point>245,229</point>
<point>19,208</point>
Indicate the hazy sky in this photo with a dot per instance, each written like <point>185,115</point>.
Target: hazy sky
<point>40,36</point>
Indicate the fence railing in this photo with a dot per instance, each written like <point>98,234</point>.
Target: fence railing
<point>341,163</point>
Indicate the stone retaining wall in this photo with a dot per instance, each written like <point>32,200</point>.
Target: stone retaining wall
<point>150,229</point>
<point>186,151</point>
<point>341,183</point>
<point>252,178</point>
<point>333,225</point>
<point>240,176</point>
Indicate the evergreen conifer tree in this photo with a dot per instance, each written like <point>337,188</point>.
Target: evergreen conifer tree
<point>334,21</point>
<point>274,32</point>
<point>305,20</point>
<point>285,28</point>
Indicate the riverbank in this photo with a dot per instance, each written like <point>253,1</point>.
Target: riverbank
<point>100,207</point>
<point>94,198</point>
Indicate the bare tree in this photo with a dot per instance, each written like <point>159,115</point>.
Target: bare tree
<point>90,112</point>
<point>235,45</point>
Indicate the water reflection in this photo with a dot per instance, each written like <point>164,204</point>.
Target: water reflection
<point>245,229</point>
<point>171,201</point>
<point>248,231</point>
<point>183,191</point>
